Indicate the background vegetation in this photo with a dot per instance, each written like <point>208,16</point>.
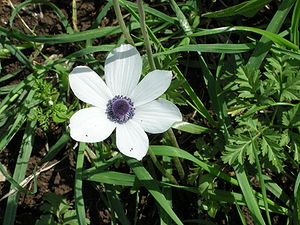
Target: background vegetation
<point>233,160</point>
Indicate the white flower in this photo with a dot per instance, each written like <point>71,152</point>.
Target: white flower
<point>122,103</point>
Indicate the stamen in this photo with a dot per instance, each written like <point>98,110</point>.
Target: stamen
<point>120,109</point>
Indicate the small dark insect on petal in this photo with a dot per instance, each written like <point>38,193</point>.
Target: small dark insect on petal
<point>131,149</point>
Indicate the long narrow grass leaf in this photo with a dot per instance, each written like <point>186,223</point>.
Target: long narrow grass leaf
<point>152,186</point>
<point>173,151</point>
<point>248,195</point>
<point>79,203</point>
<point>264,44</point>
<point>20,171</point>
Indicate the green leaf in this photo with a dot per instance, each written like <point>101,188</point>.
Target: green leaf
<point>46,219</point>
<point>190,128</point>
<point>108,177</point>
<point>295,145</point>
<point>64,38</point>
<point>291,118</point>
<point>291,89</point>
<point>20,171</point>
<point>264,44</point>
<point>270,36</point>
<point>296,205</point>
<point>248,82</point>
<point>247,190</point>
<point>237,151</point>
<point>152,186</point>
<point>271,148</point>
<point>80,217</point>
<point>215,48</point>
<point>295,23</point>
<point>70,218</point>
<point>248,8</point>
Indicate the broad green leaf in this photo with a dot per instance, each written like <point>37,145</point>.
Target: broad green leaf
<point>291,89</point>
<point>237,151</point>
<point>190,128</point>
<point>271,148</point>
<point>291,118</point>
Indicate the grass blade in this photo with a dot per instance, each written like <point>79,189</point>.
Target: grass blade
<point>247,8</point>
<point>214,48</point>
<point>151,184</point>
<point>20,171</point>
<point>296,210</point>
<point>64,38</point>
<point>176,152</point>
<point>264,44</point>
<point>271,36</point>
<point>79,203</point>
<point>249,196</point>
<point>295,23</point>
<point>116,204</point>
<point>190,128</point>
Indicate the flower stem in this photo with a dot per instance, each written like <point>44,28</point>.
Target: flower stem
<point>145,34</point>
<point>121,22</point>
<point>74,16</point>
<point>161,168</point>
<point>170,136</point>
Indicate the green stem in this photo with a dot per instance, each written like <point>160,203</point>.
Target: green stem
<point>169,133</point>
<point>121,22</point>
<point>74,16</point>
<point>172,141</point>
<point>261,180</point>
<point>161,168</point>
<point>145,34</point>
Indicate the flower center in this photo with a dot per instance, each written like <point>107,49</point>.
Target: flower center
<point>120,109</point>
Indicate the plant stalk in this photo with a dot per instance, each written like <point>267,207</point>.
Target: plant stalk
<point>170,134</point>
<point>161,168</point>
<point>74,16</point>
<point>145,34</point>
<point>172,141</point>
<point>121,22</point>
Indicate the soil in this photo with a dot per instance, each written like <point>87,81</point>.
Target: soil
<point>60,179</point>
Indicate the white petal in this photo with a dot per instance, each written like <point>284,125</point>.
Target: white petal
<point>123,68</point>
<point>132,140</point>
<point>89,87</point>
<point>157,116</point>
<point>151,87</point>
<point>90,125</point>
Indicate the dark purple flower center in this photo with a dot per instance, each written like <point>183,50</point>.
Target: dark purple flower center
<point>120,109</point>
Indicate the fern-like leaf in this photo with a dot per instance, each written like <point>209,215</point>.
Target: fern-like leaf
<point>237,151</point>
<point>271,148</point>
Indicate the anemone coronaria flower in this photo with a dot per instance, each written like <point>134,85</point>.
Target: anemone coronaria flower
<point>122,103</point>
